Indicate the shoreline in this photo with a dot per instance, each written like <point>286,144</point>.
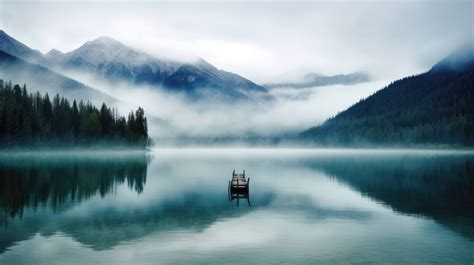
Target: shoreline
<point>238,150</point>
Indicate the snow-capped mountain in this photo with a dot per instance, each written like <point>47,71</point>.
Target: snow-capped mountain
<point>202,79</point>
<point>107,58</point>
<point>114,61</point>
<point>111,59</point>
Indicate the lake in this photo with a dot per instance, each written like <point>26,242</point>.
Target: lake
<point>172,206</point>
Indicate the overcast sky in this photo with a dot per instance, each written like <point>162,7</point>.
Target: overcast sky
<point>263,41</point>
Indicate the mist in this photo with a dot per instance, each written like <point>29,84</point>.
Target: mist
<point>173,115</point>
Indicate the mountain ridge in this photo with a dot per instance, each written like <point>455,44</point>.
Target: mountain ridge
<point>316,80</point>
<point>434,108</point>
<point>10,45</point>
<point>46,81</point>
<point>115,61</point>
<point>107,58</point>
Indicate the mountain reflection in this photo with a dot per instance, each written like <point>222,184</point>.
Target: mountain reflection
<point>30,181</point>
<point>437,187</point>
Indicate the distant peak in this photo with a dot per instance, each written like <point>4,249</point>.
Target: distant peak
<point>105,39</point>
<point>53,52</point>
<point>102,42</point>
<point>200,62</point>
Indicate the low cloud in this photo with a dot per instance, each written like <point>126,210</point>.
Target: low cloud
<point>173,115</point>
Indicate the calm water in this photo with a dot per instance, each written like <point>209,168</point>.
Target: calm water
<point>171,206</point>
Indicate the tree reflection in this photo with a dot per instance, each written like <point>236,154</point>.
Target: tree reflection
<point>437,187</point>
<point>53,181</point>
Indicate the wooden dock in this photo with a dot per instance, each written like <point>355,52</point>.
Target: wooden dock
<point>239,182</point>
<point>239,187</point>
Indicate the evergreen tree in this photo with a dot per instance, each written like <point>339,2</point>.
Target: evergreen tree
<point>32,120</point>
<point>436,107</point>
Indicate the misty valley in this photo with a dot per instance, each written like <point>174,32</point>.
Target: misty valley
<point>245,132</point>
<point>195,100</point>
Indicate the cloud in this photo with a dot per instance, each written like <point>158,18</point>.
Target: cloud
<point>263,41</point>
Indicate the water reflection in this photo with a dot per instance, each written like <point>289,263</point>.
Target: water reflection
<point>178,203</point>
<point>28,181</point>
<point>438,187</point>
<point>238,195</point>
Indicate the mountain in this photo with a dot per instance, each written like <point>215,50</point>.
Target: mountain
<point>46,81</point>
<point>436,107</point>
<point>203,80</point>
<point>53,56</point>
<point>108,58</point>
<point>315,80</point>
<point>111,59</point>
<point>18,49</point>
<point>458,60</point>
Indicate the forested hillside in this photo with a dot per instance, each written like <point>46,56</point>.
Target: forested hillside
<point>34,120</point>
<point>436,107</point>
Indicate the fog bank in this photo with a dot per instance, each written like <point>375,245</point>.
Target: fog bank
<point>172,115</point>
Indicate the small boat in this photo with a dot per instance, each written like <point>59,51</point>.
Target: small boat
<point>239,182</point>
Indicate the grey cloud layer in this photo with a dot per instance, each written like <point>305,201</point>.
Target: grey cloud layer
<point>263,41</point>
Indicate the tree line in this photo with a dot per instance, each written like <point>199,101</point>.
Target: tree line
<point>31,120</point>
<point>434,108</point>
